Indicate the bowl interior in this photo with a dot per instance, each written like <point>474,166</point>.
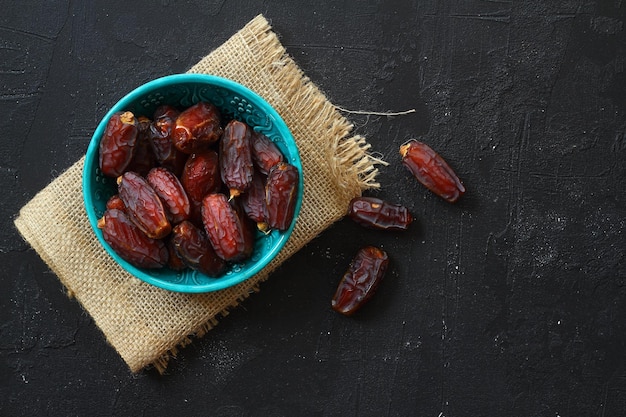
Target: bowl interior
<point>234,101</point>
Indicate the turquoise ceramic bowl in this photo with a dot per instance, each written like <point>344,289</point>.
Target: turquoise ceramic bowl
<point>234,101</point>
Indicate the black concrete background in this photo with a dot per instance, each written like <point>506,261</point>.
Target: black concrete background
<point>510,303</point>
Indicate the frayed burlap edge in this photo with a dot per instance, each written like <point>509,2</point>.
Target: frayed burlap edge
<point>147,325</point>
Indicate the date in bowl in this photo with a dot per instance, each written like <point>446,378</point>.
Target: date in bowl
<point>234,102</point>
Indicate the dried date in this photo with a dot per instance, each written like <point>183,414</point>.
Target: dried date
<point>144,158</point>
<point>130,243</point>
<point>361,280</point>
<point>197,127</point>
<point>171,193</point>
<point>375,213</point>
<point>160,134</point>
<point>253,202</point>
<point>431,170</point>
<point>117,145</point>
<point>236,164</point>
<point>143,205</point>
<point>201,175</point>
<point>225,228</point>
<point>196,251</point>
<point>265,153</point>
<point>280,195</point>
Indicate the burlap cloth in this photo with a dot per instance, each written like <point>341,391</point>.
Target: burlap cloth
<point>146,325</point>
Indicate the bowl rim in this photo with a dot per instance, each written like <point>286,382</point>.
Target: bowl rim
<point>90,164</point>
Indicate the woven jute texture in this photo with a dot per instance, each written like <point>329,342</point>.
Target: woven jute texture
<point>146,325</point>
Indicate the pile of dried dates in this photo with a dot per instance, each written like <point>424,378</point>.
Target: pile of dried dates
<point>192,188</point>
<point>368,267</point>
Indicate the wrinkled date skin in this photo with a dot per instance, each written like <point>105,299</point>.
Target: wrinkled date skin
<point>360,282</point>
<point>431,170</point>
<point>143,205</point>
<point>236,164</point>
<point>143,159</point>
<point>280,195</point>
<point>375,213</point>
<point>196,128</point>
<point>130,243</point>
<point>253,202</point>
<point>248,228</point>
<point>265,153</point>
<point>117,145</point>
<point>171,192</point>
<point>160,135</point>
<point>196,251</point>
<point>225,228</point>
<point>201,175</point>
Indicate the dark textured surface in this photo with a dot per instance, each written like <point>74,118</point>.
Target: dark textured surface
<point>510,303</point>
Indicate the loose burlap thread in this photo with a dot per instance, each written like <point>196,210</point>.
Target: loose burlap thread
<point>147,325</point>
